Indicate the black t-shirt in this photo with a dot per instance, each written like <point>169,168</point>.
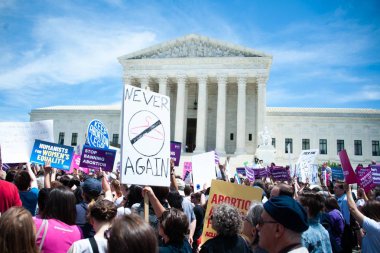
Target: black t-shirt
<point>81,220</point>
<point>199,212</point>
<point>226,244</point>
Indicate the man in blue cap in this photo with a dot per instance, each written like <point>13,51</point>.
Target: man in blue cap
<point>282,223</point>
<point>91,190</point>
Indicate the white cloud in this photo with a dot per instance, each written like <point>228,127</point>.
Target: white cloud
<point>72,51</point>
<point>366,93</point>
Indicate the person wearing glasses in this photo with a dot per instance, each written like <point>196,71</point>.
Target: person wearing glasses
<point>281,225</point>
<point>227,222</point>
<point>101,214</point>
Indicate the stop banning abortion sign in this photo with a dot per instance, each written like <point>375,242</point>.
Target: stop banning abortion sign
<point>97,134</point>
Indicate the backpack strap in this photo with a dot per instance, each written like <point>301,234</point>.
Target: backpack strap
<point>46,222</point>
<point>43,224</point>
<point>94,245</point>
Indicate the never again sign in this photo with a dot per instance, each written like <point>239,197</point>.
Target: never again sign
<point>145,137</point>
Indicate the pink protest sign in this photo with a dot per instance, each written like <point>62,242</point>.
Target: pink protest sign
<point>348,172</point>
<point>187,168</point>
<point>365,179</point>
<point>75,164</point>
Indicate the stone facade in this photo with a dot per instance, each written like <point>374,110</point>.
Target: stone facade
<point>218,102</point>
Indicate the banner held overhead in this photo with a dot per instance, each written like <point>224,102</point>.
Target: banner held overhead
<point>145,137</point>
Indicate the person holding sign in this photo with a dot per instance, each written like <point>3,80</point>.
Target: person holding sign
<point>26,183</point>
<point>369,220</point>
<point>173,228</point>
<point>227,222</point>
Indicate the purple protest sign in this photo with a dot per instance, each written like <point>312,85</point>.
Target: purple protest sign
<point>96,158</point>
<point>349,174</point>
<point>260,173</point>
<point>279,173</point>
<point>241,171</point>
<point>249,171</point>
<point>175,152</point>
<point>364,176</point>
<point>376,174</point>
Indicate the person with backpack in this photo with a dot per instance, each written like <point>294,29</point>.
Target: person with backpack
<point>101,215</point>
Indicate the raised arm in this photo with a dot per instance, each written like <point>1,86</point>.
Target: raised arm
<point>157,207</point>
<point>173,181</point>
<point>106,187</point>
<point>33,183</point>
<point>353,209</point>
<point>47,176</point>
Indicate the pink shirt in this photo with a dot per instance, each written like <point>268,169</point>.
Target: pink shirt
<point>59,236</point>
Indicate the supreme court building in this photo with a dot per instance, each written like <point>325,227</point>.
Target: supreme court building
<point>218,102</point>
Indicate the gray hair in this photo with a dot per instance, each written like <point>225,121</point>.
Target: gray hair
<point>254,213</point>
<point>226,220</point>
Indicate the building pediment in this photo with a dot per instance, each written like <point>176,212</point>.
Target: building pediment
<point>193,46</point>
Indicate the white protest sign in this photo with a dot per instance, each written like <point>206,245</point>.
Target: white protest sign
<point>203,166</point>
<point>306,165</point>
<point>17,138</point>
<point>145,155</point>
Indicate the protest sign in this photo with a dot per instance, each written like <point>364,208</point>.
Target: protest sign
<point>261,172</point>
<point>187,168</point>
<point>376,174</point>
<point>348,172</point>
<point>97,134</point>
<point>145,155</point>
<point>17,138</point>
<point>241,171</point>
<point>364,176</point>
<point>60,156</point>
<point>203,170</point>
<point>97,158</point>
<point>279,173</point>
<point>305,165</point>
<point>337,173</point>
<point>250,173</point>
<point>175,152</point>
<point>75,164</point>
<point>240,196</point>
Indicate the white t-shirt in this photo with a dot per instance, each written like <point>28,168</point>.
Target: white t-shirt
<point>371,240</point>
<point>84,246</point>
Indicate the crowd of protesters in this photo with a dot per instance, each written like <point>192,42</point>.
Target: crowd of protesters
<point>46,210</point>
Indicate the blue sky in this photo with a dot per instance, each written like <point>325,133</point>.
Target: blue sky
<point>325,53</point>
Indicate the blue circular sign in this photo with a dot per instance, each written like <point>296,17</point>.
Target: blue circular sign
<point>97,134</point>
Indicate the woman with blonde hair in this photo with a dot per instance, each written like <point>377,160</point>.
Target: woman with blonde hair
<point>17,231</point>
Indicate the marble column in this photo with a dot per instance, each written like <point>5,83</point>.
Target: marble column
<point>162,85</point>
<point>261,104</point>
<point>144,81</point>
<point>180,110</point>
<point>241,115</point>
<point>221,115</point>
<point>200,140</point>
